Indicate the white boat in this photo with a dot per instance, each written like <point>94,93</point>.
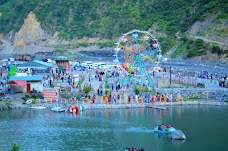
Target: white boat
<point>164,130</point>
<point>37,107</point>
<point>62,109</point>
<point>29,101</point>
<point>55,108</point>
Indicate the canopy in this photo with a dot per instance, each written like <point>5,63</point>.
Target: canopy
<point>21,83</point>
<point>13,70</point>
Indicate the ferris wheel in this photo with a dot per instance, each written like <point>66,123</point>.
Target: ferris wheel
<point>139,53</point>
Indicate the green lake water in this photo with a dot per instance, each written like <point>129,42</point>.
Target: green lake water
<point>114,129</point>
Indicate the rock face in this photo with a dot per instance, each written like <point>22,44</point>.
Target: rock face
<point>1,35</point>
<point>30,33</point>
<point>178,135</point>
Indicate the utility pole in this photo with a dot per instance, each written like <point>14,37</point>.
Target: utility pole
<point>170,71</point>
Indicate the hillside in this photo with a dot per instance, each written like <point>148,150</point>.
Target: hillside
<point>104,21</point>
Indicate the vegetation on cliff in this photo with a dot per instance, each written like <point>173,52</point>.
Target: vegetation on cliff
<point>109,19</point>
<point>190,48</point>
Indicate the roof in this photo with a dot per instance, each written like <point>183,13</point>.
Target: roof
<point>26,78</point>
<point>34,64</point>
<point>62,58</point>
<point>42,63</point>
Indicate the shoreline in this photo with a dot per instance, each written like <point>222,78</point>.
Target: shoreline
<point>121,106</point>
<point>114,106</point>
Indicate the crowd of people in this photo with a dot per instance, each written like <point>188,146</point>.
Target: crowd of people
<point>133,149</point>
<point>223,82</point>
<point>163,127</point>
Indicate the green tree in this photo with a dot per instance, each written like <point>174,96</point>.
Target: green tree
<point>78,96</point>
<point>137,90</point>
<point>107,86</point>
<point>15,147</point>
<point>216,49</point>
<point>199,43</point>
<point>86,89</point>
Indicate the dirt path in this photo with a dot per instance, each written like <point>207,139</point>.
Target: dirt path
<point>208,40</point>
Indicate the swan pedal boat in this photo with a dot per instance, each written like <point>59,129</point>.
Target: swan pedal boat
<point>164,130</point>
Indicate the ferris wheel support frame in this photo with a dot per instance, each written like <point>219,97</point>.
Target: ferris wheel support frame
<point>137,63</point>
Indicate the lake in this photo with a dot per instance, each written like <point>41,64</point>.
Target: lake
<point>114,129</point>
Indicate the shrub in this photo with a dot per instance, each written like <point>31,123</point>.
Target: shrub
<point>68,95</point>
<point>25,97</point>
<point>86,89</point>
<point>216,49</point>
<point>108,92</point>
<point>15,147</point>
<point>107,86</point>
<point>39,96</point>
<point>146,89</point>
<point>137,90</point>
<point>78,96</point>
<point>199,43</point>
<point>33,101</point>
<point>33,96</point>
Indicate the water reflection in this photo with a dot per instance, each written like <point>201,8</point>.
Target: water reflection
<point>113,129</point>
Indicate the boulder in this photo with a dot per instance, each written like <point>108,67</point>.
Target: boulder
<point>178,135</point>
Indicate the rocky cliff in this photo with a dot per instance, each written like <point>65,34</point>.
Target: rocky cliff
<point>31,33</point>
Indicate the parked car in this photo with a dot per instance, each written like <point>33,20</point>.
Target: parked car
<point>204,75</point>
<point>223,83</point>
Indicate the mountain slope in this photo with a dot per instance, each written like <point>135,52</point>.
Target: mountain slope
<point>109,19</point>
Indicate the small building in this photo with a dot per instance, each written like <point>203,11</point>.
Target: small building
<point>62,62</point>
<point>26,84</point>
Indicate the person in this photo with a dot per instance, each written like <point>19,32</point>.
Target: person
<point>98,91</point>
<point>93,99</point>
<point>170,97</point>
<point>169,126</point>
<point>129,99</point>
<point>159,127</point>
<point>179,98</point>
<point>164,126</point>
<point>158,97</point>
<point>162,98</point>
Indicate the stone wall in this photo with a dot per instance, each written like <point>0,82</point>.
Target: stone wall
<point>199,94</point>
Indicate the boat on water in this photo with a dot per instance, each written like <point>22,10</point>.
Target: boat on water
<point>156,107</point>
<point>55,108</point>
<point>161,130</point>
<point>37,107</point>
<point>62,109</point>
